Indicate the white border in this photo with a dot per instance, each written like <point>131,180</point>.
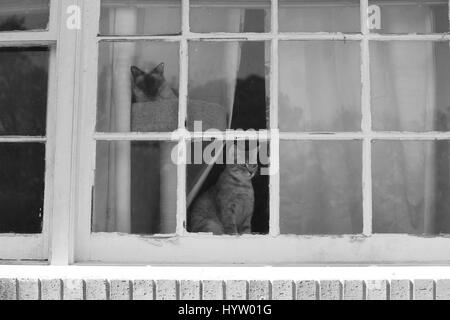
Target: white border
<point>273,249</point>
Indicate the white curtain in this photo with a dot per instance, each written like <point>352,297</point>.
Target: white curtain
<point>208,64</point>
<point>404,99</point>
<point>213,75</point>
<point>317,87</point>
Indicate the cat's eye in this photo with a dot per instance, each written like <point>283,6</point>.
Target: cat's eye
<point>210,167</point>
<point>210,16</point>
<point>411,94</point>
<point>134,17</point>
<point>21,15</point>
<point>138,104</point>
<point>320,86</point>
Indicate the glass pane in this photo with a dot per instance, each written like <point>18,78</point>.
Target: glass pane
<point>228,85</point>
<point>22,174</point>
<point>414,16</point>
<point>23,90</point>
<point>17,15</point>
<point>137,17</point>
<point>320,187</point>
<point>135,188</point>
<point>138,86</point>
<point>319,16</point>
<point>410,82</point>
<point>230,16</point>
<point>228,191</point>
<point>320,86</point>
<point>411,187</point>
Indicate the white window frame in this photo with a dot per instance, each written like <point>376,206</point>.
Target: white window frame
<point>71,145</point>
<point>53,243</point>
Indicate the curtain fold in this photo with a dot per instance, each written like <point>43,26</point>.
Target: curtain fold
<point>120,202</point>
<point>316,94</point>
<point>213,76</point>
<point>403,99</point>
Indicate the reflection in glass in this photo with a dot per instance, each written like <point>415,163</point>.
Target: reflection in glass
<point>320,86</point>
<point>230,16</point>
<point>418,16</point>
<point>135,188</point>
<point>231,81</point>
<point>134,17</point>
<point>138,86</point>
<point>410,82</point>
<point>411,187</point>
<point>320,187</point>
<point>18,15</point>
<point>319,16</point>
<point>22,174</point>
<point>23,90</point>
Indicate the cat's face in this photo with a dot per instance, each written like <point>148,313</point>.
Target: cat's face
<point>147,85</point>
<point>243,168</point>
<point>244,171</point>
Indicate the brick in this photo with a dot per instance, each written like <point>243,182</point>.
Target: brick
<point>377,290</point>
<point>259,290</point>
<point>401,290</point>
<point>330,290</point>
<point>51,289</point>
<point>189,290</point>
<point>423,289</point>
<point>120,290</point>
<point>166,290</point>
<point>282,290</point>
<point>143,290</point>
<point>443,289</point>
<point>307,290</point>
<point>212,290</point>
<point>96,289</point>
<point>236,290</point>
<point>354,290</point>
<point>28,289</point>
<point>73,289</point>
<point>8,289</point>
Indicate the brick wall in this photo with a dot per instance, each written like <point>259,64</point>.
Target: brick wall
<point>101,289</point>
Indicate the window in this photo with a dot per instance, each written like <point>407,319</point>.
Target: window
<point>347,97</point>
<point>26,128</point>
<point>342,105</point>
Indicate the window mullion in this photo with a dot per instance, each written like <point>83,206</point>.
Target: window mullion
<point>274,186</point>
<point>54,17</point>
<point>366,124</point>
<point>61,232</point>
<point>182,118</point>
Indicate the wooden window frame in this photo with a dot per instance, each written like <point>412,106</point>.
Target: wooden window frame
<point>273,248</point>
<point>71,149</point>
<point>58,140</point>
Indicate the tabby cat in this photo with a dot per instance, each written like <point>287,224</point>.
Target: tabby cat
<point>226,207</point>
<point>150,86</point>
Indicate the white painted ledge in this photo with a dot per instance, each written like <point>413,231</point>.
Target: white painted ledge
<point>224,273</point>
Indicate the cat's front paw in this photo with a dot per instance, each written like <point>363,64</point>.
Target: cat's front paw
<point>231,231</point>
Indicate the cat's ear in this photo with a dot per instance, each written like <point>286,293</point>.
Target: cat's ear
<point>136,72</point>
<point>159,69</point>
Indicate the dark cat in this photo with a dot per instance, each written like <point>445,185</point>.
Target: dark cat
<point>150,86</point>
<point>226,207</point>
